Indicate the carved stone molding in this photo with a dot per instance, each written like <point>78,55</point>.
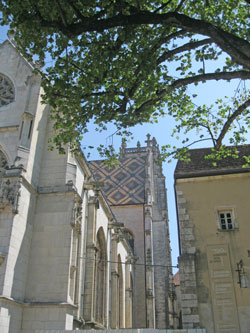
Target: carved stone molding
<point>129,290</point>
<point>115,274</point>
<point>148,211</point>
<point>10,193</point>
<point>72,270</point>
<point>150,293</point>
<point>94,200</point>
<point>76,221</point>
<point>115,237</point>
<point>115,225</point>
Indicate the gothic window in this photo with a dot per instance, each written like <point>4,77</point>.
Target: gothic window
<point>101,269</point>
<point>7,91</point>
<point>3,162</point>
<point>130,237</point>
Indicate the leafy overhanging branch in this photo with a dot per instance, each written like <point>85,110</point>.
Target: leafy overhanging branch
<point>229,122</point>
<point>194,79</point>
<point>118,55</point>
<point>236,47</point>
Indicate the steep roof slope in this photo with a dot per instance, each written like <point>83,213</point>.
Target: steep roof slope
<point>125,184</point>
<point>198,166</point>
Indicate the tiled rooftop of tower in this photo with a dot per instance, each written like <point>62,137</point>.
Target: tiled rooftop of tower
<point>125,184</point>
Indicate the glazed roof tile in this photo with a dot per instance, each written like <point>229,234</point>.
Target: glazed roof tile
<point>125,184</point>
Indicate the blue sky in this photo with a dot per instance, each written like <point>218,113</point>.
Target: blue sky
<point>207,93</point>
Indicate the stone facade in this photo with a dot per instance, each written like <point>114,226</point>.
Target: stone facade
<point>213,231</point>
<point>69,257</point>
<point>65,262</point>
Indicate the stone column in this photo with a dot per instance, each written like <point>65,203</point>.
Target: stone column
<point>90,276</point>
<point>128,295</point>
<point>149,269</point>
<point>114,283</point>
<point>76,252</point>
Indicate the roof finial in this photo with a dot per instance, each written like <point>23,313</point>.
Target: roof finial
<point>123,148</point>
<point>148,141</point>
<point>124,143</point>
<point>154,142</point>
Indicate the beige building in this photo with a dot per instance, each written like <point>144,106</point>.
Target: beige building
<point>69,257</point>
<point>213,220</point>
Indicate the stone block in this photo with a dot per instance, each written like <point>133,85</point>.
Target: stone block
<point>184,217</point>
<point>186,311</point>
<point>190,319</point>
<point>182,200</point>
<point>188,296</point>
<point>188,237</point>
<point>190,283</point>
<point>189,303</point>
<point>179,193</point>
<point>191,250</point>
<point>182,211</point>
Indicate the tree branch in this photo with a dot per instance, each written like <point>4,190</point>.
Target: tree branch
<point>229,122</point>
<point>161,41</point>
<point>76,10</point>
<point>163,6</point>
<point>180,5</point>
<point>62,13</point>
<point>194,79</point>
<point>211,76</point>
<point>236,47</point>
<point>207,127</point>
<point>185,47</point>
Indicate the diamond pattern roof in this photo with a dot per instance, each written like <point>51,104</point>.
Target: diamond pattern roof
<point>125,184</point>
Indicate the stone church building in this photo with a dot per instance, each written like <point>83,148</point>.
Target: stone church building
<point>81,246</point>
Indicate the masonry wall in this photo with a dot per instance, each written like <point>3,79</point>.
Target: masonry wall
<point>133,217</point>
<point>50,250</point>
<point>53,164</point>
<point>211,287</point>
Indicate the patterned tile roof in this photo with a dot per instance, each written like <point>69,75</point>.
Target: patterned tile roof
<point>125,184</point>
<point>199,166</point>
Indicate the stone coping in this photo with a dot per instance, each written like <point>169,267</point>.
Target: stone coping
<point>129,330</point>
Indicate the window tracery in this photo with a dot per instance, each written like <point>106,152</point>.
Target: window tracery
<point>7,91</point>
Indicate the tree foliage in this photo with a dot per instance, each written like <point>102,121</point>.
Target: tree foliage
<point>126,60</point>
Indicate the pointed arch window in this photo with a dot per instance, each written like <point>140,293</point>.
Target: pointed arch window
<point>101,278</point>
<point>7,90</point>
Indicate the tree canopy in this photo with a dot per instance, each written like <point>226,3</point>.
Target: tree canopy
<point>131,61</point>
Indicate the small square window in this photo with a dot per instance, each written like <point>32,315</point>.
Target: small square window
<point>226,220</point>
